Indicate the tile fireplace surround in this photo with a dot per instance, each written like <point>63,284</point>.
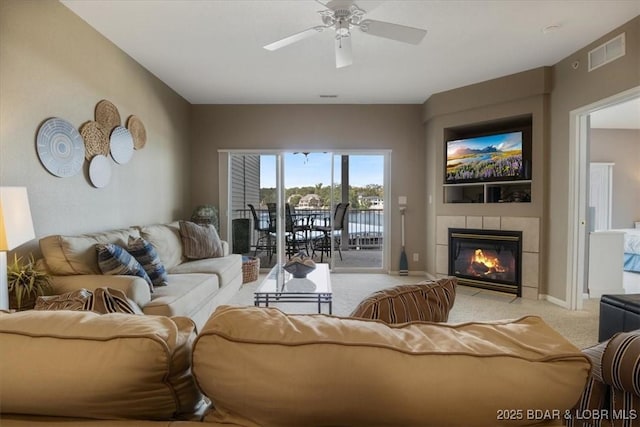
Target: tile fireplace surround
<point>529,226</point>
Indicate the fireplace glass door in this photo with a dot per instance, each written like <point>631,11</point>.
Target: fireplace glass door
<point>488,259</point>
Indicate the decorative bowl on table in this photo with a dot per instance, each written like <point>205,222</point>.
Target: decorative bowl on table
<point>300,265</point>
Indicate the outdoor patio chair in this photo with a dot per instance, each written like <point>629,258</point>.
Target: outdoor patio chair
<point>325,242</point>
<point>265,240</point>
<point>296,231</point>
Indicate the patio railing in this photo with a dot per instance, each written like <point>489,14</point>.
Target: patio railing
<point>364,226</point>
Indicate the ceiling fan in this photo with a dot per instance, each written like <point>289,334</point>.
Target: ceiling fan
<point>342,16</point>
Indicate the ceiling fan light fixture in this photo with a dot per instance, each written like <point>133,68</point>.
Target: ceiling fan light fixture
<point>342,16</point>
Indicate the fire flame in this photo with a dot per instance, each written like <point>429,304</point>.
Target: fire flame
<point>493,264</point>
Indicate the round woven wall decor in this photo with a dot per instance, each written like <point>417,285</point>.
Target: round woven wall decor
<point>107,115</point>
<point>60,148</point>
<point>95,138</point>
<point>138,132</point>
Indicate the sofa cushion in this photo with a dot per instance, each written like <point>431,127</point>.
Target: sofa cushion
<point>96,366</point>
<point>185,295</point>
<point>273,369</point>
<point>148,258</point>
<point>166,239</point>
<point>66,255</point>
<point>428,301</point>
<point>227,268</point>
<point>114,260</point>
<point>200,241</point>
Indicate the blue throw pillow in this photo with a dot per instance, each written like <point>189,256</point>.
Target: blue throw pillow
<point>114,260</point>
<point>146,255</point>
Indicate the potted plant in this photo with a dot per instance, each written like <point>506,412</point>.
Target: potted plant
<point>26,282</point>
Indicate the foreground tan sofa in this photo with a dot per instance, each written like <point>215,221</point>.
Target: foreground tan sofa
<point>195,288</point>
<point>261,367</point>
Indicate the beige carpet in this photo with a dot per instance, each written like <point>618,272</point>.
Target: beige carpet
<point>579,327</point>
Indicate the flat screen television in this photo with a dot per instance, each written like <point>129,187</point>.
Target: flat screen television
<point>495,157</point>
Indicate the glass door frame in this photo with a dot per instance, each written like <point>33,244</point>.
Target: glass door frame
<point>386,181</point>
<point>225,194</point>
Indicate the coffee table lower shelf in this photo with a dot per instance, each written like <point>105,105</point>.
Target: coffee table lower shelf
<point>271,298</point>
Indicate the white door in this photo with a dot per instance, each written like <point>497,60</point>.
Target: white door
<point>600,195</point>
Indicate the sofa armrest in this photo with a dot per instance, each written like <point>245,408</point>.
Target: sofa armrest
<point>225,248</point>
<point>614,380</point>
<point>134,287</point>
<point>620,368</point>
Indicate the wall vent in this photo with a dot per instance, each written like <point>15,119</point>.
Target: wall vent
<point>607,52</point>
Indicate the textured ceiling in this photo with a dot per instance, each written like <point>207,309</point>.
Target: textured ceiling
<point>210,52</point>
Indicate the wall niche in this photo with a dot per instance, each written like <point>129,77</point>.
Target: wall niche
<point>489,162</point>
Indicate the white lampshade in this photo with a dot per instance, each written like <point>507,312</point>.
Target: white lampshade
<point>16,226</point>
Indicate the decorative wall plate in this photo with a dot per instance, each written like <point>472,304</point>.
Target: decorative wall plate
<point>100,171</point>
<point>96,140</point>
<point>139,133</point>
<point>121,145</point>
<point>107,115</point>
<point>60,147</point>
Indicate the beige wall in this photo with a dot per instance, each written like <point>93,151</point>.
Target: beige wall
<point>52,64</point>
<point>622,147</point>
<point>551,95</point>
<point>516,95</point>
<point>573,89</point>
<point>320,127</point>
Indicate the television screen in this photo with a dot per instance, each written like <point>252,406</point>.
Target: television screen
<point>485,158</point>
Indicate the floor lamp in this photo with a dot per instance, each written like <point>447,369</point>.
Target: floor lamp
<point>16,228</point>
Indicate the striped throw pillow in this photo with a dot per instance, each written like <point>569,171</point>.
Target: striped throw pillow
<point>424,301</point>
<point>146,255</point>
<point>100,300</point>
<point>200,241</point>
<point>115,260</point>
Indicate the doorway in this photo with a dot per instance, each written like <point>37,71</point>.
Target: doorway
<point>579,225</point>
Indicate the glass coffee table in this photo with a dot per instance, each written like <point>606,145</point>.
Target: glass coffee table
<point>280,286</point>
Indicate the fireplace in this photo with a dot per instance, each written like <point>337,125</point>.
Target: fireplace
<point>488,259</point>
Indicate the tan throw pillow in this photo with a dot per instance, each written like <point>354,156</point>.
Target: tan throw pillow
<point>200,241</point>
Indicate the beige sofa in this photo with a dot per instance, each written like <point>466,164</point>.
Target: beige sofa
<point>195,288</point>
<point>261,367</point>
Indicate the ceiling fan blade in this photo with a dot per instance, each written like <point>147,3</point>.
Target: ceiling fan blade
<point>295,38</point>
<point>397,32</point>
<point>344,57</point>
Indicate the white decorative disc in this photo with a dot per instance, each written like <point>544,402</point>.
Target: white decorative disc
<point>60,147</point>
<point>100,171</point>
<point>121,145</point>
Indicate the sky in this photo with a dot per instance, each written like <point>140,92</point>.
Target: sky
<point>316,168</point>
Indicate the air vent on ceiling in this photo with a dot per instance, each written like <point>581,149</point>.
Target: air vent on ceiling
<point>328,96</point>
<point>607,52</point>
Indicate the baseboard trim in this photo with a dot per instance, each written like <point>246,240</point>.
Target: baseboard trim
<point>554,300</point>
<point>411,273</point>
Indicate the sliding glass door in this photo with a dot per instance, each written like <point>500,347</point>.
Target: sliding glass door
<point>330,206</point>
